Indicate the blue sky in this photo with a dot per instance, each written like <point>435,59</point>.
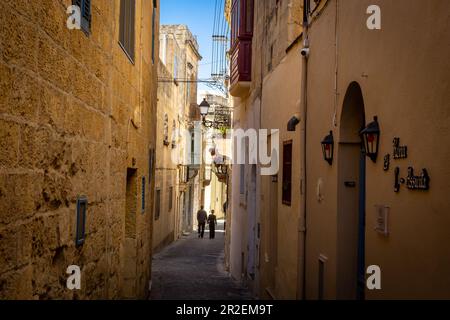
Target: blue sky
<point>198,15</point>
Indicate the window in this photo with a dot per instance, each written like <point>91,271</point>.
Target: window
<point>287,173</point>
<point>86,17</point>
<point>321,278</point>
<point>166,130</point>
<point>131,203</point>
<point>249,17</point>
<point>170,198</point>
<point>322,262</point>
<point>158,205</point>
<point>235,21</point>
<point>188,91</point>
<point>155,6</point>
<point>175,67</point>
<point>143,194</point>
<point>241,20</point>
<point>241,40</point>
<point>242,180</point>
<point>126,31</point>
<point>151,164</point>
<point>82,203</point>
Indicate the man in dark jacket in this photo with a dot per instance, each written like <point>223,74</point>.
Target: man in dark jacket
<point>201,219</point>
<point>212,221</point>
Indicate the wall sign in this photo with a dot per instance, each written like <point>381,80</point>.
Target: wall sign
<point>400,152</point>
<point>413,182</point>
<point>387,162</point>
<point>398,181</point>
<point>421,182</point>
<point>382,219</point>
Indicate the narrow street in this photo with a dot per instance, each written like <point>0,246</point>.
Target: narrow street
<point>314,133</point>
<point>193,269</point>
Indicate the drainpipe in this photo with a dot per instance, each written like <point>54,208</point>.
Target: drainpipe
<point>301,287</point>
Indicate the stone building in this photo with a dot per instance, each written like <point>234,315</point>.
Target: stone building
<point>265,84</point>
<point>77,126</point>
<point>216,146</point>
<point>358,211</point>
<point>315,230</point>
<point>179,135</point>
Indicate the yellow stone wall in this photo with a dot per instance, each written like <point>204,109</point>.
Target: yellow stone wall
<point>74,115</point>
<point>402,71</point>
<point>176,99</point>
<point>269,104</point>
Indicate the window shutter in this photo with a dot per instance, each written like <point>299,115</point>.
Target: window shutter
<point>132,31</point>
<point>122,22</point>
<point>126,30</point>
<point>287,173</point>
<point>143,195</point>
<point>155,5</point>
<point>86,17</point>
<point>87,11</point>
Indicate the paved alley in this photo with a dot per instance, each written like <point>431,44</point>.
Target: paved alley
<point>193,269</point>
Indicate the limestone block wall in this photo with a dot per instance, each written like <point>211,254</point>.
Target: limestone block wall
<point>75,113</point>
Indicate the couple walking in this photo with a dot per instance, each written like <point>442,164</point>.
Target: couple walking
<point>202,218</point>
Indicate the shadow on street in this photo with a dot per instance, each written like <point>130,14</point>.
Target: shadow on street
<point>193,269</point>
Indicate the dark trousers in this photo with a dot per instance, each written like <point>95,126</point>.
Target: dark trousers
<point>201,229</point>
<point>212,231</point>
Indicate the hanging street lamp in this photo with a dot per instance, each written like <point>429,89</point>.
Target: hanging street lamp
<point>221,119</point>
<point>204,108</point>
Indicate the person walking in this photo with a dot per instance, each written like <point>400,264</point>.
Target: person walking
<point>212,221</point>
<point>201,219</point>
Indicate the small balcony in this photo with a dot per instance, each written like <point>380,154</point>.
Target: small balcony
<point>241,47</point>
<point>241,68</point>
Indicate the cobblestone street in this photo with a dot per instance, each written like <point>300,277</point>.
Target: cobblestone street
<point>193,269</point>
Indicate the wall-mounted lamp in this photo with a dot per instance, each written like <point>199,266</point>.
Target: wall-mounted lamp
<point>328,148</point>
<point>292,124</point>
<point>371,139</point>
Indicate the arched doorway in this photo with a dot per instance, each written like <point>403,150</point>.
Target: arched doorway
<point>351,219</point>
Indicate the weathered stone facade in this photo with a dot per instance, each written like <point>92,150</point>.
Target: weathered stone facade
<point>177,111</point>
<point>75,114</point>
<point>345,215</point>
<point>267,260</point>
<point>166,227</point>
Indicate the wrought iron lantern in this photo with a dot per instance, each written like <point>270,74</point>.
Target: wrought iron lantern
<point>204,108</point>
<point>221,171</point>
<point>221,168</point>
<point>371,139</point>
<point>328,148</point>
<point>221,117</point>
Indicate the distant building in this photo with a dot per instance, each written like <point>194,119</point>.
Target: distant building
<point>265,84</point>
<point>179,136</point>
<point>217,147</point>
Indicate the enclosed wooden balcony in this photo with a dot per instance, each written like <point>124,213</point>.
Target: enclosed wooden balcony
<point>241,46</point>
